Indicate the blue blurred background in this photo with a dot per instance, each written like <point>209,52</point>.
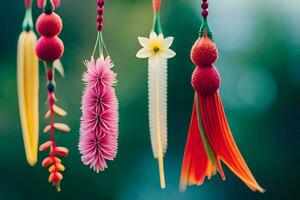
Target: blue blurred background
<point>259,44</point>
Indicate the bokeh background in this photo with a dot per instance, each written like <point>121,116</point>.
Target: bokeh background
<point>259,44</point>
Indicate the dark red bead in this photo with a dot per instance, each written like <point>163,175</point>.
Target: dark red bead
<point>204,13</point>
<point>99,19</point>
<point>50,75</point>
<point>204,0</point>
<point>100,3</point>
<point>100,11</point>
<point>204,5</point>
<point>99,26</point>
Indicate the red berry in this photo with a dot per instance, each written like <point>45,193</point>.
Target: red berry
<point>204,13</point>
<point>204,5</point>
<point>100,3</point>
<point>49,49</point>
<point>204,52</point>
<point>49,25</point>
<point>99,19</point>
<point>50,75</point>
<point>99,26</point>
<point>100,11</point>
<point>206,80</point>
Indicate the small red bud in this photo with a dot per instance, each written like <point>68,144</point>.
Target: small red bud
<point>50,75</point>
<point>204,13</point>
<point>100,11</point>
<point>204,5</point>
<point>99,26</point>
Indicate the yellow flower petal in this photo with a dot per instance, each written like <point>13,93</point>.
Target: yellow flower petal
<point>28,86</point>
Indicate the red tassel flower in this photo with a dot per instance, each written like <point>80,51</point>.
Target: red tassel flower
<point>210,140</point>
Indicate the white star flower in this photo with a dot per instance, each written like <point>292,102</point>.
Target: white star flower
<point>155,47</point>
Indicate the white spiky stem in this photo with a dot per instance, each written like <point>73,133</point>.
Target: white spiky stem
<point>157,83</point>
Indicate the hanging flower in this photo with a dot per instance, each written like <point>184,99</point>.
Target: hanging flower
<point>210,140</point>
<point>155,48</point>
<point>28,87</point>
<point>98,142</point>
<point>49,49</point>
<point>99,121</point>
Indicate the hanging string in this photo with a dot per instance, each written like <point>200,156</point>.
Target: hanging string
<point>99,42</point>
<point>205,29</point>
<point>204,7</point>
<point>100,12</point>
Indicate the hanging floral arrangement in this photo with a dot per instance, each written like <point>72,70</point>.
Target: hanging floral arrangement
<point>210,140</point>
<point>99,122</point>
<point>49,49</point>
<point>156,49</point>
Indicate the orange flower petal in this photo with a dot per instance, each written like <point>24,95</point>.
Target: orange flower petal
<point>221,140</point>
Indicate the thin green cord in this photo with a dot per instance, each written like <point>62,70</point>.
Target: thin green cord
<point>97,41</point>
<point>157,28</point>
<point>27,22</point>
<point>101,53</point>
<point>205,28</point>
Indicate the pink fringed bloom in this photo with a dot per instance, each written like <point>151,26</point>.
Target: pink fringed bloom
<point>99,121</point>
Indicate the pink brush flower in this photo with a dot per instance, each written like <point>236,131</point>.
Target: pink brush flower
<point>99,121</point>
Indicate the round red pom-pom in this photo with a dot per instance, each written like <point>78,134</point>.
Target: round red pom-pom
<point>204,52</point>
<point>49,49</point>
<point>206,80</point>
<point>49,25</point>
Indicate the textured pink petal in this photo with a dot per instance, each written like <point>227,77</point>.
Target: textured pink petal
<point>99,121</point>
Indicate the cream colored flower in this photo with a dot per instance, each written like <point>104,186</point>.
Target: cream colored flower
<point>156,47</point>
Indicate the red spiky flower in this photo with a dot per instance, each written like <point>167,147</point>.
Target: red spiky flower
<point>210,140</point>
<point>49,49</point>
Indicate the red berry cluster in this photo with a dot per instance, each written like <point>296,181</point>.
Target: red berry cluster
<point>206,79</point>
<point>49,47</point>
<point>204,6</point>
<point>100,11</point>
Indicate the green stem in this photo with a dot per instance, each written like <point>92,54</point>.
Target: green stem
<point>101,42</point>
<point>97,42</point>
<point>205,28</point>
<point>27,22</point>
<point>48,6</point>
<point>157,28</point>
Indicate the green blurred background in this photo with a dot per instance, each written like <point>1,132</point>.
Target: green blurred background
<point>259,44</point>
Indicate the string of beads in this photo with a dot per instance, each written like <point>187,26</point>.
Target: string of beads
<point>204,7</point>
<point>100,12</point>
